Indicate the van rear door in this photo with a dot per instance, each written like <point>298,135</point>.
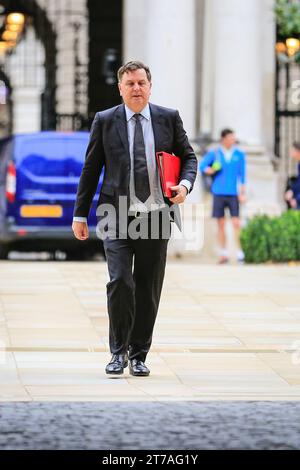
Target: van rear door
<point>48,168</point>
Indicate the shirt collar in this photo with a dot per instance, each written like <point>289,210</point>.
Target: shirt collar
<point>227,151</point>
<point>145,112</point>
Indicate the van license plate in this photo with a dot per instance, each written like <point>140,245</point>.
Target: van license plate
<point>41,211</point>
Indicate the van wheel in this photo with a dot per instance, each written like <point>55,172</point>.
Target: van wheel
<point>4,250</point>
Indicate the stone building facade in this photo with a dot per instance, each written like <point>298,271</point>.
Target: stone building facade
<point>214,60</point>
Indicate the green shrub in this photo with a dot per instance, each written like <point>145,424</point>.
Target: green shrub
<point>272,238</point>
<point>288,17</point>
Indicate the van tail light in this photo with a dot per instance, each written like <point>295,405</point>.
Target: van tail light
<point>11,182</point>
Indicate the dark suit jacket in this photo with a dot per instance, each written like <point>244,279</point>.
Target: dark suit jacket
<point>109,148</point>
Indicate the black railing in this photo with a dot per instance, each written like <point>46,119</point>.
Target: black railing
<point>287,106</point>
<point>287,132</point>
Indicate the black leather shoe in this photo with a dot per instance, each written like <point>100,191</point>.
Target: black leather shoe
<point>138,368</point>
<point>117,364</point>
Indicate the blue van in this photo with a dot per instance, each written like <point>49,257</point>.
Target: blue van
<point>39,174</point>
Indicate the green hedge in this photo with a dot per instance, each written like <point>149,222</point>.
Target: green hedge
<point>272,238</point>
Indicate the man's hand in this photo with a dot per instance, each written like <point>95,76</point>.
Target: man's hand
<point>80,230</point>
<point>181,193</point>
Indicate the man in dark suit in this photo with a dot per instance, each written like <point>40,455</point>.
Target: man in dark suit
<point>124,140</point>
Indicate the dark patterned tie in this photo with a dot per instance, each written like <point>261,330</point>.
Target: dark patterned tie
<point>141,176</point>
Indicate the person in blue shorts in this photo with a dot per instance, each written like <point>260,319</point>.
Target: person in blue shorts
<point>227,165</point>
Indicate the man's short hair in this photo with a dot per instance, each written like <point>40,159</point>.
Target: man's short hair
<point>226,132</point>
<point>131,66</point>
<point>296,145</point>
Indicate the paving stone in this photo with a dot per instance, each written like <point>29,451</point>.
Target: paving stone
<point>222,332</point>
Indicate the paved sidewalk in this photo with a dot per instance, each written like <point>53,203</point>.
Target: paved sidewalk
<point>223,333</point>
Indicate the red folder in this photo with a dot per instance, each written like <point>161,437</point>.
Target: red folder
<point>169,170</point>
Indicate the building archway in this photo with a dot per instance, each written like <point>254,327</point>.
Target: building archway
<point>44,31</point>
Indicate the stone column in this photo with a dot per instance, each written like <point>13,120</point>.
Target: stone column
<point>26,71</point>
<point>70,21</point>
<point>238,91</point>
<point>237,55</point>
<point>162,34</point>
<point>27,109</point>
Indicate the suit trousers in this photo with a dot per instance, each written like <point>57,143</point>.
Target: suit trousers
<point>136,269</point>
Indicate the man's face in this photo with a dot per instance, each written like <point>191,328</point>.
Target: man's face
<point>135,89</point>
<point>295,154</point>
<point>229,140</point>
